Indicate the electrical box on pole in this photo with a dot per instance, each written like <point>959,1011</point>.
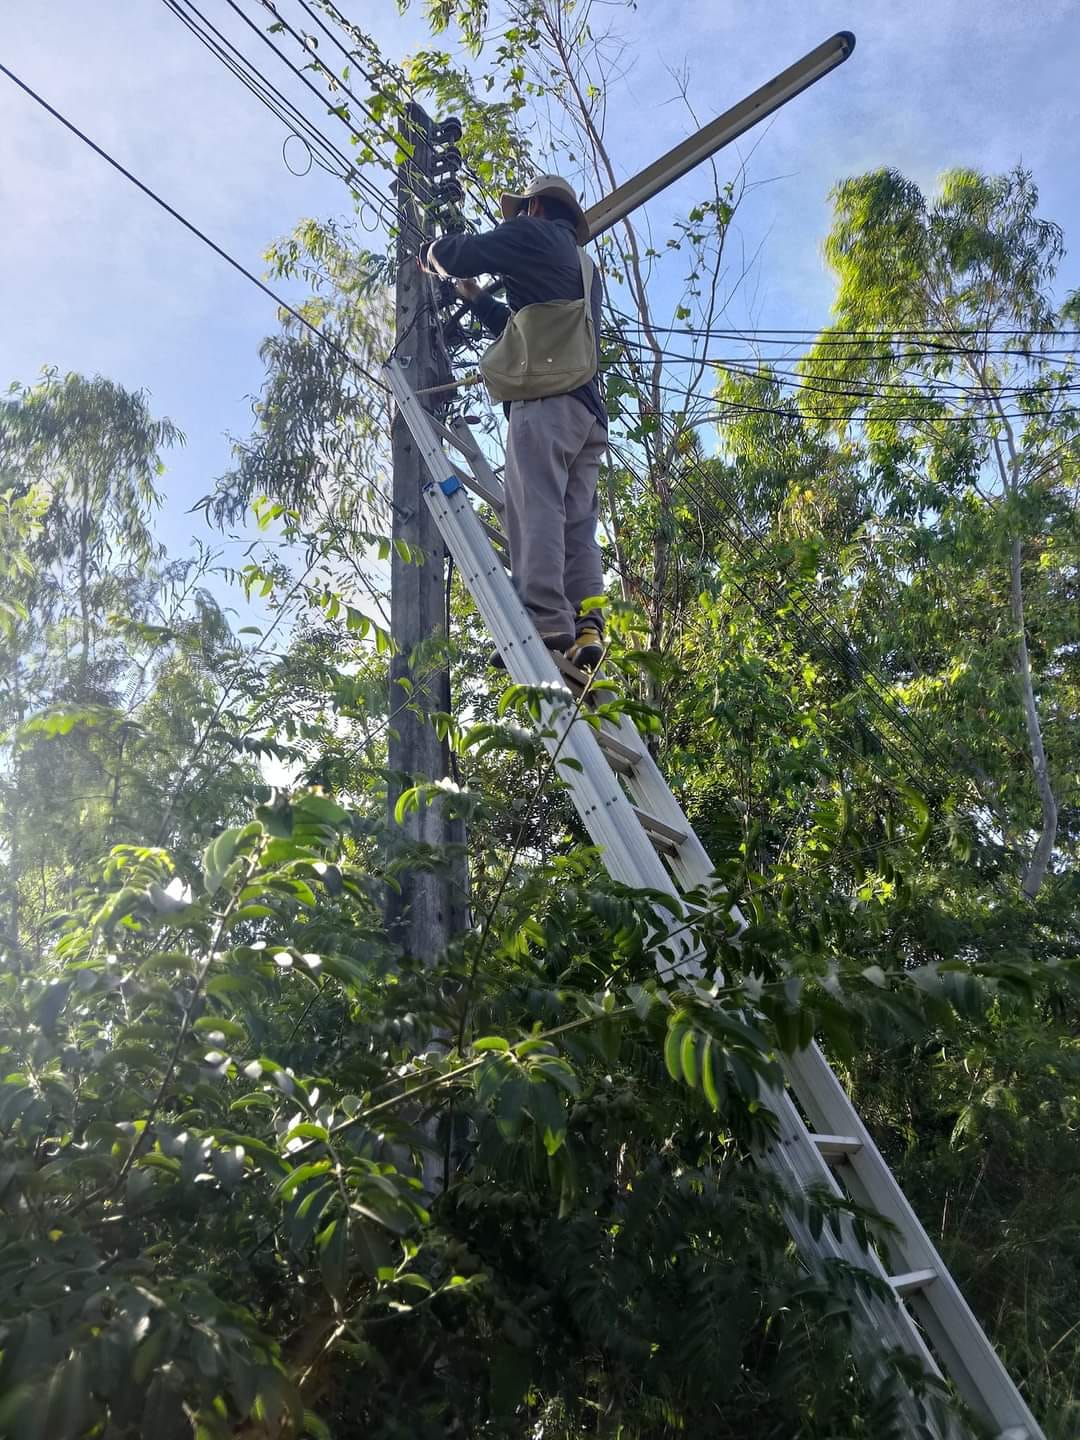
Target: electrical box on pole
<point>429,906</point>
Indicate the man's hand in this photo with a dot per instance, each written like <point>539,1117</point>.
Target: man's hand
<point>468,289</point>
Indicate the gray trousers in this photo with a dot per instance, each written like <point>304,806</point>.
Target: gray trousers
<point>553,452</point>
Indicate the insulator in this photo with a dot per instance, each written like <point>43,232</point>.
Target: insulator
<point>448,132</point>
<point>449,192</point>
<point>447,162</point>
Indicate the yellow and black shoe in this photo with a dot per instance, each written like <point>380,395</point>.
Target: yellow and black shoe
<point>587,651</point>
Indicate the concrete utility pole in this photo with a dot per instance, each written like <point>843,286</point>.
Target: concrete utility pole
<point>429,908</point>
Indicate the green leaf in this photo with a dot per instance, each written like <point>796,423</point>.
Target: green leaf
<point>316,1429</point>
<point>332,1244</point>
<point>307,1130</point>
<point>688,1058</point>
<point>673,1044</point>
<point>277,820</point>
<point>217,858</point>
<point>295,1178</point>
<point>708,1074</point>
<point>372,1249</point>
<point>320,808</point>
<point>548,1113</point>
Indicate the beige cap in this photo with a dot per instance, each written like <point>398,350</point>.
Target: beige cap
<point>558,189</point>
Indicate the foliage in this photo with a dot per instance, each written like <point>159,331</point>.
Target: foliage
<point>262,1173</point>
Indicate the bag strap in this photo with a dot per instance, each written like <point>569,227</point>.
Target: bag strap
<point>588,269</point>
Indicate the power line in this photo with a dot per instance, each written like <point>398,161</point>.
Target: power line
<point>483,194</point>
<point>725,404</point>
<point>396,73</point>
<point>792,379</point>
<point>400,142</point>
<point>869,418</point>
<point>329,156</point>
<point>858,335</point>
<point>932,342</point>
<point>920,403</point>
<point>319,334</point>
<point>748,541</point>
<point>395,139</point>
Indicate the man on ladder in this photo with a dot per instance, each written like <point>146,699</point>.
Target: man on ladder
<point>544,366</point>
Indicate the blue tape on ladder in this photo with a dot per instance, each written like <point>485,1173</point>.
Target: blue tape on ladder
<point>448,487</point>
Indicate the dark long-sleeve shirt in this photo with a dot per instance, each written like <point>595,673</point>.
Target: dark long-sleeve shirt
<point>539,261</point>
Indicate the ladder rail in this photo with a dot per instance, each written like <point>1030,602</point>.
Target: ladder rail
<point>940,1308</point>
<point>956,1335</point>
<point>798,1158</point>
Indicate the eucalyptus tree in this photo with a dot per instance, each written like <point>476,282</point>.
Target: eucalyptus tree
<point>946,341</point>
<point>84,455</point>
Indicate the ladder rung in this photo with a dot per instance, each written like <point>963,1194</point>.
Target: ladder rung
<point>911,1281</point>
<point>665,837</point>
<point>462,440</point>
<point>622,758</point>
<point>580,678</point>
<point>496,537</point>
<point>836,1148</point>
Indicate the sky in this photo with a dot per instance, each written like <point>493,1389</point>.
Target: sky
<point>96,279</point>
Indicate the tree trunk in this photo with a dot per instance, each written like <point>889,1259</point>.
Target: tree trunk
<point>84,592</point>
<point>14,857</point>
<point>1044,846</point>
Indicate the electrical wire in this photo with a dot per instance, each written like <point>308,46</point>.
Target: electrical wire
<point>938,762</point>
<point>908,405</point>
<point>930,781</point>
<point>392,136</point>
<point>843,336</point>
<point>864,413</point>
<point>483,192</point>
<point>796,380</point>
<point>846,657</point>
<point>751,547</point>
<point>188,225</point>
<point>739,544</point>
<point>238,65</point>
<point>847,417</point>
<point>395,139</point>
<point>326,154</point>
<point>395,72</point>
<point>399,141</point>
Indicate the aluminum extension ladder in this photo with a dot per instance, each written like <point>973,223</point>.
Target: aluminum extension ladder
<point>633,817</point>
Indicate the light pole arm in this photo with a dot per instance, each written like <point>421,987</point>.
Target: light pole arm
<point>720,132</point>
